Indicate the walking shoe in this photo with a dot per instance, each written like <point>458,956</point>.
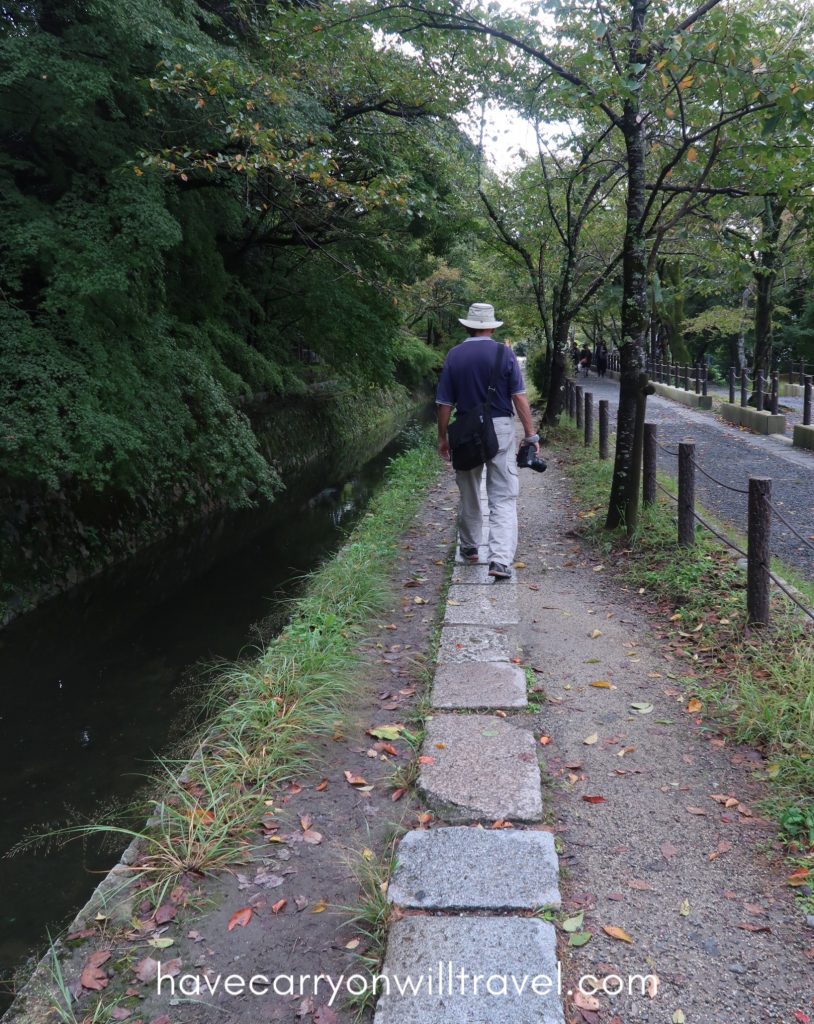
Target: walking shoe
<point>500,572</point>
<point>469,554</point>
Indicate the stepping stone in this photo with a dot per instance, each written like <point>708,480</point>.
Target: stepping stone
<point>474,574</point>
<point>476,869</point>
<point>508,953</point>
<point>483,769</point>
<point>474,643</point>
<point>485,606</point>
<point>493,684</point>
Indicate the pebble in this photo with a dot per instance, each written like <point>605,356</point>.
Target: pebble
<point>810,920</point>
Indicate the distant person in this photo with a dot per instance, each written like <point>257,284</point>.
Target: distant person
<point>464,386</point>
<point>585,360</point>
<point>601,359</point>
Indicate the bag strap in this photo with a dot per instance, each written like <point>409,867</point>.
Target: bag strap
<point>496,368</point>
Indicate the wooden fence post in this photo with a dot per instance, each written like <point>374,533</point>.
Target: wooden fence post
<point>686,494</point>
<point>603,428</point>
<point>802,378</point>
<point>578,392</point>
<point>731,385</point>
<point>686,377</point>
<point>649,464</point>
<point>759,391</point>
<point>697,380</point>
<point>775,399</point>
<point>744,388</point>
<point>807,402</point>
<point>759,527</point>
<point>589,419</point>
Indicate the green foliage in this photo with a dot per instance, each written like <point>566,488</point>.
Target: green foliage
<point>200,207</point>
<point>538,369</point>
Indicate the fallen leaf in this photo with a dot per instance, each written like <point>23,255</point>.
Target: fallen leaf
<point>603,684</point>
<point>594,799</point>
<point>426,759</point>
<point>723,847</point>
<point>637,883</point>
<point>397,794</point>
<point>321,787</point>
<point>798,877</point>
<point>668,851</point>
<point>146,970</point>
<point>354,780</point>
<point>580,938</point>
<point>747,926</point>
<point>694,706</point>
<point>319,907</point>
<point>584,1001</point>
<point>590,740</point>
<point>165,913</point>
<point>325,1015</point>
<point>311,837</point>
<point>93,977</point>
<point>679,1018</point>
<point>278,906</point>
<point>573,924</point>
<point>352,944</point>
<point>684,909</point>
<point>162,942</point>
<point>545,740</point>
<point>596,633</point>
<point>386,732</point>
<point>616,933</point>
<point>697,810</point>
<point>240,918</point>
<point>641,707</point>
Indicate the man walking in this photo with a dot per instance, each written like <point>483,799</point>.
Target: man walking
<point>464,385</point>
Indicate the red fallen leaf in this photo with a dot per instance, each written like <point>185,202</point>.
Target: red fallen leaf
<point>146,969</point>
<point>325,1015</point>
<point>354,780</point>
<point>594,799</point>
<point>517,661</point>
<point>166,912</point>
<point>93,977</point>
<point>322,786</point>
<point>386,748</point>
<point>278,906</point>
<point>501,823</point>
<point>747,926</point>
<point>294,788</point>
<point>306,821</point>
<point>171,968</point>
<point>85,933</point>
<point>668,851</point>
<point>240,918</point>
<point>697,810</point>
<point>397,794</point>
<point>798,877</point>
<point>723,847</point>
<point>545,740</point>
<point>426,759</point>
<point>802,1017</point>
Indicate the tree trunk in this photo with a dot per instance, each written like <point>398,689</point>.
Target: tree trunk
<point>624,498</point>
<point>556,375</point>
<point>765,275</point>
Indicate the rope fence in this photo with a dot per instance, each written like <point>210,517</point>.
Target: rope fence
<point>760,510</point>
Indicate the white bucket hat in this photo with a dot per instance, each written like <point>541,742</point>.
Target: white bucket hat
<point>481,317</point>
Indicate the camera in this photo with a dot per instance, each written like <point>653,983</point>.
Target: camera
<point>527,458</point>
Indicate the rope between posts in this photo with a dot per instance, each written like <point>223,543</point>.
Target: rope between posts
<point>788,524</point>
<point>741,552</point>
<point>727,487</point>
<point>666,450</point>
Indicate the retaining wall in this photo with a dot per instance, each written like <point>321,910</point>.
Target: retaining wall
<point>761,422</point>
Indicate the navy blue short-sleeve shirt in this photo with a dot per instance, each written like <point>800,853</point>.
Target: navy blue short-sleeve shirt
<point>466,373</point>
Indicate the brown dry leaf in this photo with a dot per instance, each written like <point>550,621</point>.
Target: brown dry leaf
<point>595,633</point>
<point>321,787</point>
<point>668,851</point>
<point>146,970</point>
<point>585,1002</point>
<point>617,933</point>
<point>652,986</point>
<point>721,798</point>
<point>319,907</point>
<point>306,821</point>
<point>278,906</point>
<point>697,810</point>
<point>426,759</point>
<point>93,977</point>
<point>240,918</point>
<point>325,1015</point>
<point>694,706</point>
<point>723,847</point>
<point>594,799</point>
<point>311,837</point>
<point>749,927</point>
<point>744,810</point>
<point>590,740</point>
<point>603,684</point>
<point>545,740</point>
<point>397,794</point>
<point>355,780</point>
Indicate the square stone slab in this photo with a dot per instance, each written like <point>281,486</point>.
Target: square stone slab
<point>491,684</point>
<point>486,606</point>
<point>505,951</point>
<point>474,574</point>
<point>483,769</point>
<point>475,643</point>
<point>476,869</point>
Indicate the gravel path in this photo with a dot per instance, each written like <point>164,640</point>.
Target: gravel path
<point>732,456</point>
<point>698,890</point>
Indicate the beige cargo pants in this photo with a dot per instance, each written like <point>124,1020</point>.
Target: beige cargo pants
<point>501,493</point>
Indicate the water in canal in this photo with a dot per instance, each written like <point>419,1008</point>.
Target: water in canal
<point>92,682</point>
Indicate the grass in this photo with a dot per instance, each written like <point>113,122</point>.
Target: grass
<point>757,683</point>
<point>264,715</point>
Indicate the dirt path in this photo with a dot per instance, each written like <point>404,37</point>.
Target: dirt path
<point>699,888</point>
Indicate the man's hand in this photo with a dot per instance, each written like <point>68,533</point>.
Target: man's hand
<point>444,416</point>
<point>443,448</point>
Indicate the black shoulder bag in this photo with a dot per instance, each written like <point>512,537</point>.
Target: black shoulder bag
<point>472,437</point>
